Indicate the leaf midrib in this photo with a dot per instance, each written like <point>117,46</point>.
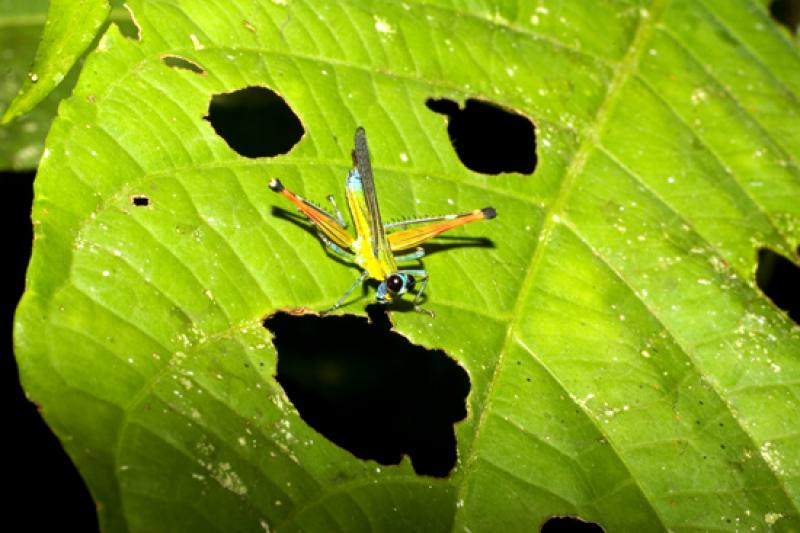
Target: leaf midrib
<point>624,70</point>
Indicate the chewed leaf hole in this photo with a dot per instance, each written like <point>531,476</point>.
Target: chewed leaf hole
<point>786,12</point>
<point>130,27</point>
<point>255,122</point>
<point>488,138</point>
<point>182,63</point>
<point>779,279</point>
<point>559,524</point>
<point>369,390</point>
<point>140,201</point>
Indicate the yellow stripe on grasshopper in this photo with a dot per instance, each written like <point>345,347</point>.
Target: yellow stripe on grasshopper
<point>378,263</point>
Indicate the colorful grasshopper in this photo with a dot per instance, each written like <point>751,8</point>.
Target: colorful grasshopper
<point>373,249</point>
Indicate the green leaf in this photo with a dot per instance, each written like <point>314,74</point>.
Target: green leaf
<point>624,366</point>
<point>21,142</point>
<point>70,28</point>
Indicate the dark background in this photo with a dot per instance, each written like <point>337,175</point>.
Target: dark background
<point>44,491</point>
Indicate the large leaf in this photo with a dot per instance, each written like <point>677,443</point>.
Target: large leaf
<point>624,366</point>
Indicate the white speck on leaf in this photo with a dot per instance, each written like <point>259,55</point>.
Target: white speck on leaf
<point>229,479</point>
<point>582,401</point>
<point>698,96</point>
<point>771,456</point>
<point>771,518</point>
<point>196,42</point>
<point>382,26</point>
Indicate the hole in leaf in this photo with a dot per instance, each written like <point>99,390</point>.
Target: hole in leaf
<point>370,390</point>
<point>130,27</point>
<point>557,524</point>
<point>255,122</point>
<point>140,201</point>
<point>786,12</point>
<point>182,63</point>
<point>779,279</point>
<point>487,138</point>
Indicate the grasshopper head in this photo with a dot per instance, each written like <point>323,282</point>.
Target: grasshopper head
<point>394,285</point>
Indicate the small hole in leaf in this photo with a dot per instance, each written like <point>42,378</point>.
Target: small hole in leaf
<point>557,524</point>
<point>182,63</point>
<point>130,27</point>
<point>140,201</point>
<point>786,12</point>
<point>370,390</point>
<point>488,138</point>
<point>779,279</point>
<point>255,122</point>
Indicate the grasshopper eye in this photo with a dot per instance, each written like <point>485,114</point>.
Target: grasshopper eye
<point>410,282</point>
<point>394,283</point>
